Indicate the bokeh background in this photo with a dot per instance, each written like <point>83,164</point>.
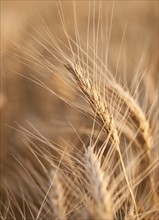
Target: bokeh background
<point>22,100</point>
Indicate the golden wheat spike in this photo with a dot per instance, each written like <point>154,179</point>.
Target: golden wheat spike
<point>103,115</point>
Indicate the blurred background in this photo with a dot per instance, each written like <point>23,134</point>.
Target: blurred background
<point>22,100</point>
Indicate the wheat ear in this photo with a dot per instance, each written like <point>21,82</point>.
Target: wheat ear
<point>98,186</point>
<point>58,196</point>
<point>135,114</point>
<point>95,101</point>
<point>103,114</point>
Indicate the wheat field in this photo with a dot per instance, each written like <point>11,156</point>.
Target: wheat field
<point>79,110</point>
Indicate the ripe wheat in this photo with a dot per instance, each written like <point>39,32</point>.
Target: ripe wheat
<point>88,146</point>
